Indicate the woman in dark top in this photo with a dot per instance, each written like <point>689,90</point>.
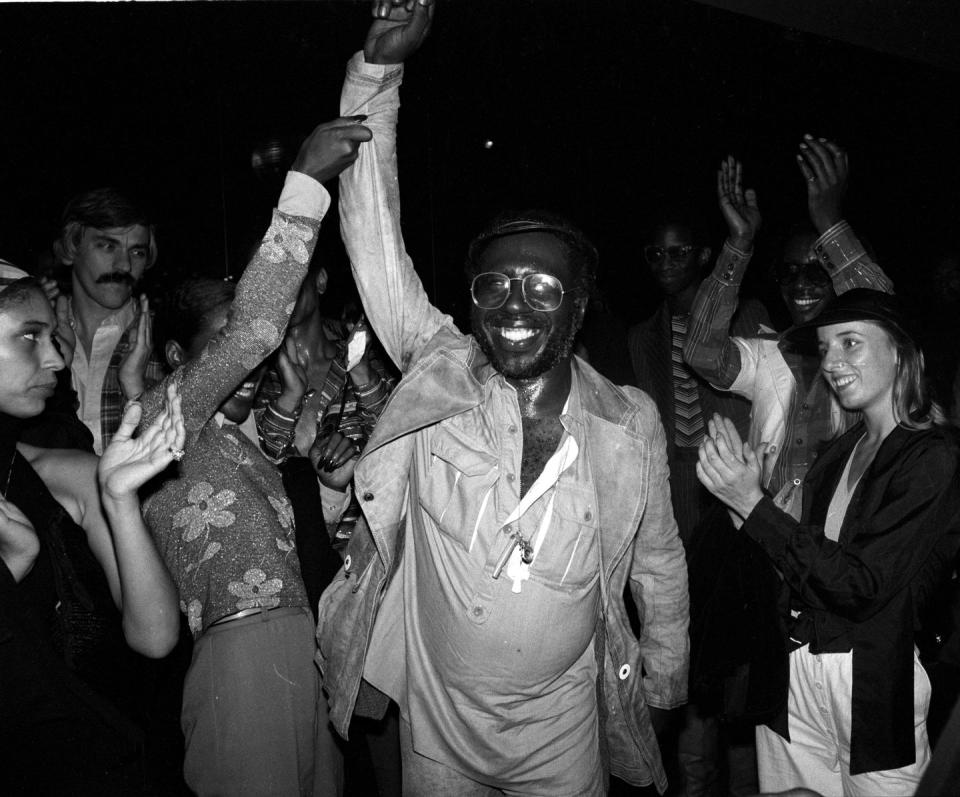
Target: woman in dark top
<point>79,575</point>
<point>878,531</point>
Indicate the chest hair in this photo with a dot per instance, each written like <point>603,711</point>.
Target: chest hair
<point>541,437</point>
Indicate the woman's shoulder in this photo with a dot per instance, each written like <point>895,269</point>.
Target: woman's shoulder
<point>937,448</point>
<point>69,474</point>
<point>58,462</point>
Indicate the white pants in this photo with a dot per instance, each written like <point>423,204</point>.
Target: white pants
<point>817,756</point>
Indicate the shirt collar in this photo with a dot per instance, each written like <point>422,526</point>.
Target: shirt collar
<point>571,416</point>
<point>123,317</point>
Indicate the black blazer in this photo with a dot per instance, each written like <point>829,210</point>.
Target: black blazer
<point>865,591</point>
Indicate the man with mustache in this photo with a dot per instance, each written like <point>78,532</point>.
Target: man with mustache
<point>109,242</point>
<point>510,493</point>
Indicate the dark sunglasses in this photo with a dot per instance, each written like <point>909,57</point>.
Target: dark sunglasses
<point>654,254</point>
<point>491,290</point>
<point>789,273</point>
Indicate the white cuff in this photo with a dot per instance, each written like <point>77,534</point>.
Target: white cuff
<point>303,196</point>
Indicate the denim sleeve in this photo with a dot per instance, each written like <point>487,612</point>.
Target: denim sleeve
<point>658,583</point>
<point>845,259</point>
<point>392,294</point>
<point>709,349</point>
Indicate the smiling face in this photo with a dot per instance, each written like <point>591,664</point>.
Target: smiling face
<point>809,288</point>
<point>29,359</point>
<point>859,361</point>
<point>520,342</point>
<point>236,407</point>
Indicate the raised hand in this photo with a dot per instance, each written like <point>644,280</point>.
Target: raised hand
<point>729,468</point>
<point>133,367</point>
<point>128,463</point>
<point>66,337</point>
<point>19,545</point>
<point>825,167</point>
<point>398,30</point>
<point>739,208</point>
<point>331,148</point>
<point>293,376</point>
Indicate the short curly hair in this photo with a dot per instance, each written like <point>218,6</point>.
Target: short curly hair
<point>583,256</point>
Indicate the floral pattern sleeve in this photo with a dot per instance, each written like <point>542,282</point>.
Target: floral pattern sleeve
<point>255,325</point>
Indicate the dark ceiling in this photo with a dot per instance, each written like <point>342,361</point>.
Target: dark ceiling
<point>609,111</point>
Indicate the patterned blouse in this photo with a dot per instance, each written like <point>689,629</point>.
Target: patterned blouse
<point>223,522</point>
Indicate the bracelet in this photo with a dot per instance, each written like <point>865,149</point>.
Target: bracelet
<point>368,387</point>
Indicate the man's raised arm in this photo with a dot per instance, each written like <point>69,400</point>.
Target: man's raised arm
<point>392,294</point>
<point>709,349</point>
<point>825,167</point>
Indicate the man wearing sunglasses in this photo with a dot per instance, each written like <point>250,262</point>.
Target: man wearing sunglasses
<point>679,260</point>
<point>509,493</point>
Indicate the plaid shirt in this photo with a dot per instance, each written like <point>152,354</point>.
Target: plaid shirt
<point>112,399</point>
<point>343,408</point>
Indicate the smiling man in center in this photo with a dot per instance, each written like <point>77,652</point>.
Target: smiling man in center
<point>510,494</point>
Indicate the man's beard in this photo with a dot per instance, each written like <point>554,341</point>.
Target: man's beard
<point>558,349</point>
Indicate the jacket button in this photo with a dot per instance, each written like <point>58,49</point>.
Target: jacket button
<point>624,672</point>
<point>347,562</point>
<point>368,496</point>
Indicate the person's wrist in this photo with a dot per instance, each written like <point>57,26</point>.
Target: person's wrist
<point>116,499</point>
<point>289,403</point>
<point>132,391</point>
<point>742,242</point>
<point>361,374</point>
<point>749,503</point>
<point>824,220</point>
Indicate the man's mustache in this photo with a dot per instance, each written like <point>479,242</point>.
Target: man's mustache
<point>116,276</point>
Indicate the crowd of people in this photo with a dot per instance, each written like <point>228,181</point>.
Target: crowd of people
<point>253,547</point>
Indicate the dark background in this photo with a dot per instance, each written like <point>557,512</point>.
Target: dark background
<point>608,111</point>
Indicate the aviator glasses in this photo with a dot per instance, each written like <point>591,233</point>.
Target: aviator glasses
<point>542,292</point>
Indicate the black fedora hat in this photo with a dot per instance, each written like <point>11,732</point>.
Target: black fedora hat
<point>860,304</point>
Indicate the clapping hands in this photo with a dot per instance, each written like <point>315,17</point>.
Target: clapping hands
<point>730,468</point>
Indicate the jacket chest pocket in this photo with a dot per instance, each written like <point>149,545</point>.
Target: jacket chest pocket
<point>458,481</point>
<point>570,556</point>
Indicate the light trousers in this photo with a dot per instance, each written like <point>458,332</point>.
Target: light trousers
<point>817,756</point>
